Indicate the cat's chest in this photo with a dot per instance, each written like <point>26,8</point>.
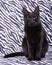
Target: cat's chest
<point>34,38</point>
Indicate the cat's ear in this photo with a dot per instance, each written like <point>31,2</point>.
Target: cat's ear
<point>25,12</point>
<point>36,11</point>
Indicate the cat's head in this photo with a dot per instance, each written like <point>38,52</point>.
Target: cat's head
<point>31,18</point>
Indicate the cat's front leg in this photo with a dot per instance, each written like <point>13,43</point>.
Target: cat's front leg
<point>30,55</point>
<point>38,52</point>
<point>30,52</point>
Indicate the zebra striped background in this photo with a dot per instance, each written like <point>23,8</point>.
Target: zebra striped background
<point>12,26</point>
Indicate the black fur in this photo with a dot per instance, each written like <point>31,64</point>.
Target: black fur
<point>34,43</point>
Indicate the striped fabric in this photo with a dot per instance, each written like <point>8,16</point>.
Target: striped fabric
<point>12,27</point>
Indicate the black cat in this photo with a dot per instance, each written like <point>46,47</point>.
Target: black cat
<point>34,43</point>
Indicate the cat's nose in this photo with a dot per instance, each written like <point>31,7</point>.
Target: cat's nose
<point>31,23</point>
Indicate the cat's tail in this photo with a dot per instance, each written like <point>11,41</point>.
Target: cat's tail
<point>14,54</point>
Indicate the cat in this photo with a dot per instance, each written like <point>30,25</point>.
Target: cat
<point>34,44</point>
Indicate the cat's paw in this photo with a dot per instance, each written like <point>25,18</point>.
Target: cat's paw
<point>37,58</point>
<point>30,58</point>
<point>42,56</point>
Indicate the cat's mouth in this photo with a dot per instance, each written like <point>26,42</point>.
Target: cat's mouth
<point>33,24</point>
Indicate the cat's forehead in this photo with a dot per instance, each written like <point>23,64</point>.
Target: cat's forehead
<point>31,14</point>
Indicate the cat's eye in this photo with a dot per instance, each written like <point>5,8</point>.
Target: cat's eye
<point>29,17</point>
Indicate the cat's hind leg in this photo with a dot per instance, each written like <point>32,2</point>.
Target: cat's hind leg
<point>44,48</point>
